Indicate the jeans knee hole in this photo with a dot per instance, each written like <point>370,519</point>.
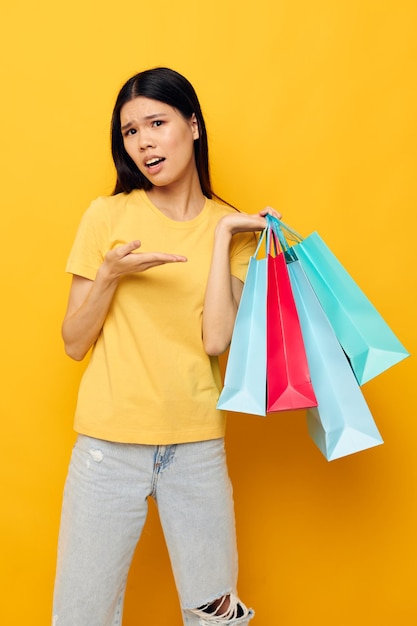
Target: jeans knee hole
<point>227,609</point>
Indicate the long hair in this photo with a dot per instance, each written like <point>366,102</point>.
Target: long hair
<point>170,87</point>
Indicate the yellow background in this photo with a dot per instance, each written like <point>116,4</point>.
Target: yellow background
<point>311,108</point>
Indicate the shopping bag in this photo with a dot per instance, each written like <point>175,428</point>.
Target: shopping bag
<point>342,423</point>
<point>366,338</point>
<point>288,379</point>
<point>245,377</point>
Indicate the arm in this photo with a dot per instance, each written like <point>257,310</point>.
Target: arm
<point>224,290</point>
<point>90,300</point>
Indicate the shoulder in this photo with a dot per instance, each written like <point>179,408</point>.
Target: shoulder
<point>103,208</point>
<point>218,205</point>
<point>108,203</point>
<point>219,208</point>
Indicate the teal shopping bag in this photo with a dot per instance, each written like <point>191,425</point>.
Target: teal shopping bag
<point>245,377</point>
<point>366,338</point>
<point>342,423</point>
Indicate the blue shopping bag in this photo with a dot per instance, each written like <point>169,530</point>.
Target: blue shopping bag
<point>366,338</point>
<point>342,423</point>
<point>245,377</point>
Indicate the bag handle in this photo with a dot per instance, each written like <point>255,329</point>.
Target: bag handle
<point>280,225</point>
<point>270,237</point>
<point>275,236</point>
<point>261,239</point>
<point>275,244</point>
<point>277,227</point>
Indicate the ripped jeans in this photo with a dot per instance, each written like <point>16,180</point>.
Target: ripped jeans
<point>103,514</point>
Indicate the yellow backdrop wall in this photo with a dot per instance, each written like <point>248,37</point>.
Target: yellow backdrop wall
<point>310,108</point>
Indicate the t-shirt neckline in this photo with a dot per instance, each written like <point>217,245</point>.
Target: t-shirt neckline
<point>174,223</point>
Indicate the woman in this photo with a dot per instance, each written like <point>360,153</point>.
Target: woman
<point>156,322</point>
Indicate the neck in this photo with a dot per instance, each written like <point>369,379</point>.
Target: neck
<point>179,203</point>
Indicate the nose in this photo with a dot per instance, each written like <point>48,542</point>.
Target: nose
<point>145,140</point>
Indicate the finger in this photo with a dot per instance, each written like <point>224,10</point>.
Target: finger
<point>119,249</point>
<point>160,258</point>
<point>176,258</point>
<point>271,211</point>
<point>132,245</point>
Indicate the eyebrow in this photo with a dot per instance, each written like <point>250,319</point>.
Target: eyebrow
<point>152,116</point>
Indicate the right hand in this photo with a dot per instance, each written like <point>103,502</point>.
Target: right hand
<point>125,260</point>
<point>89,300</point>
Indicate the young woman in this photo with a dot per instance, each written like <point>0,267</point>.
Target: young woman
<point>158,271</point>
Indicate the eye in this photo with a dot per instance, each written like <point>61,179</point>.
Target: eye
<point>157,123</point>
<point>130,131</point>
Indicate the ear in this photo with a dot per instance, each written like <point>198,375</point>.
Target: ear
<point>194,127</point>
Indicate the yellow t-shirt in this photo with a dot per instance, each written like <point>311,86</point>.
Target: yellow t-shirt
<point>149,379</point>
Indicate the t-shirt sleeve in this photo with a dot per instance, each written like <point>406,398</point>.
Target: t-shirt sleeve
<point>91,242</point>
<point>242,248</point>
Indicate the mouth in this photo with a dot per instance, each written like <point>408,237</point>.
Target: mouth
<point>154,162</point>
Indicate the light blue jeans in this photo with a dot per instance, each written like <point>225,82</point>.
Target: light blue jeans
<point>103,514</point>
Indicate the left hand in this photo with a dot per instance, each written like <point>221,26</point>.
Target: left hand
<point>237,222</point>
<point>270,211</point>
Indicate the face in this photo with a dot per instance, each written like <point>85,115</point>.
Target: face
<point>159,140</point>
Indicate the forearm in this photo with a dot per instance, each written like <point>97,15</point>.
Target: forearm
<point>84,321</point>
<point>90,301</point>
<point>220,304</point>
